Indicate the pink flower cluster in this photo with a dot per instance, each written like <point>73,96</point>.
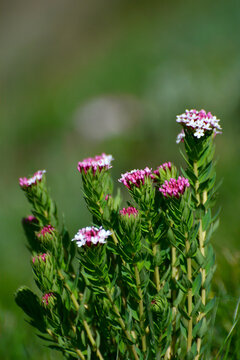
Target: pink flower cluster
<point>135,177</point>
<point>37,177</point>
<point>91,235</point>
<point>200,122</point>
<point>174,188</point>
<point>46,297</point>
<point>41,256</point>
<point>48,229</point>
<point>98,162</point>
<point>165,166</point>
<point>129,211</point>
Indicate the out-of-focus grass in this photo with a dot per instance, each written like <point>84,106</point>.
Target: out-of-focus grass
<point>168,56</point>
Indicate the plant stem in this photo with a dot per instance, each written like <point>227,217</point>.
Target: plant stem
<point>156,269</point>
<point>174,309</point>
<point>189,296</point>
<point>201,237</point>
<point>122,324</point>
<point>114,237</point>
<point>170,350</point>
<point>141,310</point>
<point>78,351</point>
<point>85,324</point>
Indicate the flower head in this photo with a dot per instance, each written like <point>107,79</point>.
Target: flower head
<point>174,188</point>
<point>200,122</point>
<point>91,235</point>
<point>39,257</point>
<point>47,298</point>
<point>48,229</point>
<point>37,177</point>
<point>135,177</point>
<point>129,211</point>
<point>165,166</point>
<point>99,162</point>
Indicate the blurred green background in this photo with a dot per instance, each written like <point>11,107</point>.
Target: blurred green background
<point>79,78</point>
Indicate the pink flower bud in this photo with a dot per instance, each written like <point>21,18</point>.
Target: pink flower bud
<point>174,188</point>
<point>129,211</point>
<point>47,297</point>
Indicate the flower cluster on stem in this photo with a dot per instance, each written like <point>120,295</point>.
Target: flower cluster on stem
<point>48,229</point>
<point>40,257</point>
<point>37,177</point>
<point>164,166</point>
<point>99,162</point>
<point>199,122</point>
<point>129,211</point>
<point>91,236</point>
<point>135,177</point>
<point>46,298</point>
<point>174,188</point>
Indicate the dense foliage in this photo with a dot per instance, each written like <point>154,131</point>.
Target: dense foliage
<point>137,283</point>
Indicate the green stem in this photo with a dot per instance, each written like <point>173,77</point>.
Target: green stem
<point>174,309</point>
<point>114,237</point>
<point>170,351</point>
<point>85,324</point>
<point>122,324</point>
<point>78,351</point>
<point>156,269</point>
<point>141,308</point>
<point>189,297</point>
<point>201,237</point>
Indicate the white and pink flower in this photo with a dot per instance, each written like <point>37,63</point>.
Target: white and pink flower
<point>91,236</point>
<point>135,177</point>
<point>37,177</point>
<point>200,122</point>
<point>99,162</point>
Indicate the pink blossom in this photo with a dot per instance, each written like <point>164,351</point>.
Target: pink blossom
<point>37,177</point>
<point>200,122</point>
<point>46,297</point>
<point>98,162</point>
<point>91,235</point>
<point>135,177</point>
<point>165,166</point>
<point>129,211</point>
<point>107,197</point>
<point>173,187</point>
<point>41,256</point>
<point>48,229</point>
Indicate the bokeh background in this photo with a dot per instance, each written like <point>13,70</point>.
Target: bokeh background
<point>79,78</point>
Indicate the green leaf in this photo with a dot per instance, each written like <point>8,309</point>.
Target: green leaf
<point>197,284</point>
<point>206,220</point>
<point>204,328</point>
<point>210,305</point>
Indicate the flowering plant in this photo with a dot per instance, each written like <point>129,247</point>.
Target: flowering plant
<point>136,284</point>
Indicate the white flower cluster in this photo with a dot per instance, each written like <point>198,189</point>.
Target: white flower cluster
<point>200,122</point>
<point>91,236</point>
